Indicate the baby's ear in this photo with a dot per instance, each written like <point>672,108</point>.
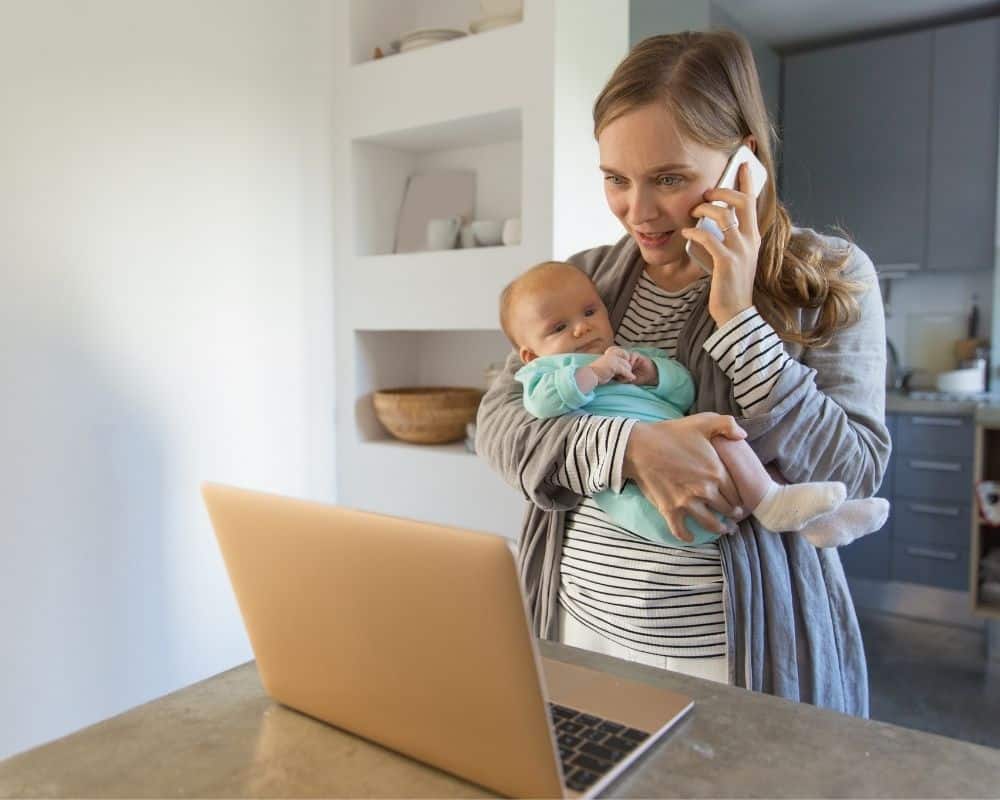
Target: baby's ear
<point>526,355</point>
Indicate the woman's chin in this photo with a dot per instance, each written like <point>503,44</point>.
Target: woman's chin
<point>659,256</point>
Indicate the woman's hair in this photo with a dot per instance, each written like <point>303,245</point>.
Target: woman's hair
<point>709,83</point>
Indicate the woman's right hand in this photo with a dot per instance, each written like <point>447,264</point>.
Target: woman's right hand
<point>675,466</point>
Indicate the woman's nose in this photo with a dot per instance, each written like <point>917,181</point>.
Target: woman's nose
<point>642,207</point>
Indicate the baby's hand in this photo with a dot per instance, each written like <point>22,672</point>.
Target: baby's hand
<point>645,371</point>
<point>613,364</point>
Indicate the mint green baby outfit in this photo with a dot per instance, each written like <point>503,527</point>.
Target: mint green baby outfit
<point>550,390</point>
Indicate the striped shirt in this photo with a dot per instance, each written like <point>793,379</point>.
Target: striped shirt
<point>650,597</point>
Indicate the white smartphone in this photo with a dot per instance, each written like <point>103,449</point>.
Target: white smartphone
<point>758,177</point>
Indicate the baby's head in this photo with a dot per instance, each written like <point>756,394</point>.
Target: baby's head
<point>554,308</point>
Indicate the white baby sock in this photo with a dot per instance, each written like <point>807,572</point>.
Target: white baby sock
<point>792,507</point>
<point>843,525</point>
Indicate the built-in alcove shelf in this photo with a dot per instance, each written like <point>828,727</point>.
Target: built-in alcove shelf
<point>393,359</point>
<point>377,23</point>
<point>440,483</point>
<point>487,145</point>
<point>985,537</point>
<point>449,290</point>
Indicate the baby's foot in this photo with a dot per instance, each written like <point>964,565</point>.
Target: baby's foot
<point>854,519</point>
<point>792,507</point>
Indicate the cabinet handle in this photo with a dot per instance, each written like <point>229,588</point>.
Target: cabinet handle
<point>937,466</point>
<point>926,552</point>
<point>941,422</point>
<point>939,511</point>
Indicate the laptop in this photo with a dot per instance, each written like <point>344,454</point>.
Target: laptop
<point>416,636</point>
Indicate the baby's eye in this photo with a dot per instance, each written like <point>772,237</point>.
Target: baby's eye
<point>590,312</point>
<point>669,180</point>
<point>559,328</point>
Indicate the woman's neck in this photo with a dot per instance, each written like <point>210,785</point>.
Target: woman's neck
<point>675,275</point>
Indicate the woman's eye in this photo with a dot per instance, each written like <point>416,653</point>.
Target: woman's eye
<point>668,180</point>
<point>615,180</point>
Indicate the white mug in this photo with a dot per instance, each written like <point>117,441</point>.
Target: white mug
<point>442,233</point>
<point>466,236</point>
<point>511,231</point>
<point>487,232</point>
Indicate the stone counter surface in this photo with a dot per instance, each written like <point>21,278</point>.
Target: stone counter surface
<point>224,737</point>
<point>985,409</point>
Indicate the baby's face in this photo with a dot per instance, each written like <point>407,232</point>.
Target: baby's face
<point>564,315</point>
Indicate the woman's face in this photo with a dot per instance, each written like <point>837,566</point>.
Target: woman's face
<point>653,179</point>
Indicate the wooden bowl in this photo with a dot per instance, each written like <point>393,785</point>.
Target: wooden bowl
<point>427,414</point>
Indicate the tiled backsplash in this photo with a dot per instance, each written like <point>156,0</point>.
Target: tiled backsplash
<point>937,294</point>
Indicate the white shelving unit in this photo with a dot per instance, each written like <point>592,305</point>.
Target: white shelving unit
<point>512,105</point>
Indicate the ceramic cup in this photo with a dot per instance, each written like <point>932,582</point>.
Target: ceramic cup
<point>442,233</point>
<point>487,232</point>
<point>511,231</point>
<point>466,238</point>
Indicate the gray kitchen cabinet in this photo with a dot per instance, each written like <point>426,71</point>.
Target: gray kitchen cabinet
<point>965,95</point>
<point>895,139</point>
<point>856,142</point>
<point>929,484</point>
<point>932,500</point>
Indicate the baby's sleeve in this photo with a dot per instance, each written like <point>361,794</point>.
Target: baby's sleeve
<point>675,384</point>
<point>550,389</point>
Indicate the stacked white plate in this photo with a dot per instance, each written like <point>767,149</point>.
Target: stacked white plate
<point>424,37</point>
<point>489,23</point>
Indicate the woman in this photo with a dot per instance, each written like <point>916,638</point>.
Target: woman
<point>786,334</point>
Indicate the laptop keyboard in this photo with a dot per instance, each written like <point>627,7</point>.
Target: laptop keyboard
<point>590,746</point>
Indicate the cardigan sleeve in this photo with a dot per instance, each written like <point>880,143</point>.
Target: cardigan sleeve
<point>827,411</point>
<point>554,462</point>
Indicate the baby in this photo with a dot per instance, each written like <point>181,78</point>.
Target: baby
<point>555,318</point>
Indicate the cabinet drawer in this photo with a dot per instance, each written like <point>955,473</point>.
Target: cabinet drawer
<point>932,523</point>
<point>934,435</point>
<point>939,477</point>
<point>869,556</point>
<point>945,567</point>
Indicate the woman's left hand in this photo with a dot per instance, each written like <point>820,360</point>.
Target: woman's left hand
<point>734,259</point>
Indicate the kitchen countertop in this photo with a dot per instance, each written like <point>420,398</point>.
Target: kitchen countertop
<point>984,408</point>
<point>224,737</point>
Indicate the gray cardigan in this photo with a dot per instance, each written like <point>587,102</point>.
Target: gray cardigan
<point>791,623</point>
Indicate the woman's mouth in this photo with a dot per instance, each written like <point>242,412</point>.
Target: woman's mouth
<point>654,240</point>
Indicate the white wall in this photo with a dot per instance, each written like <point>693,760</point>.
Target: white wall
<point>591,38</point>
<point>652,17</point>
<point>164,318</point>
<point>767,60</point>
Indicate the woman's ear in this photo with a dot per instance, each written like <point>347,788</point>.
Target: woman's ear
<point>751,142</point>
<point>527,356</point>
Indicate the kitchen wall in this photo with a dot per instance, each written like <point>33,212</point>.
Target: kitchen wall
<point>916,300</point>
<point>165,317</point>
<point>922,300</point>
<point>651,17</point>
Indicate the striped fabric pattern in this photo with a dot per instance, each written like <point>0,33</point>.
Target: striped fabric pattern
<point>751,354</point>
<point>650,597</point>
